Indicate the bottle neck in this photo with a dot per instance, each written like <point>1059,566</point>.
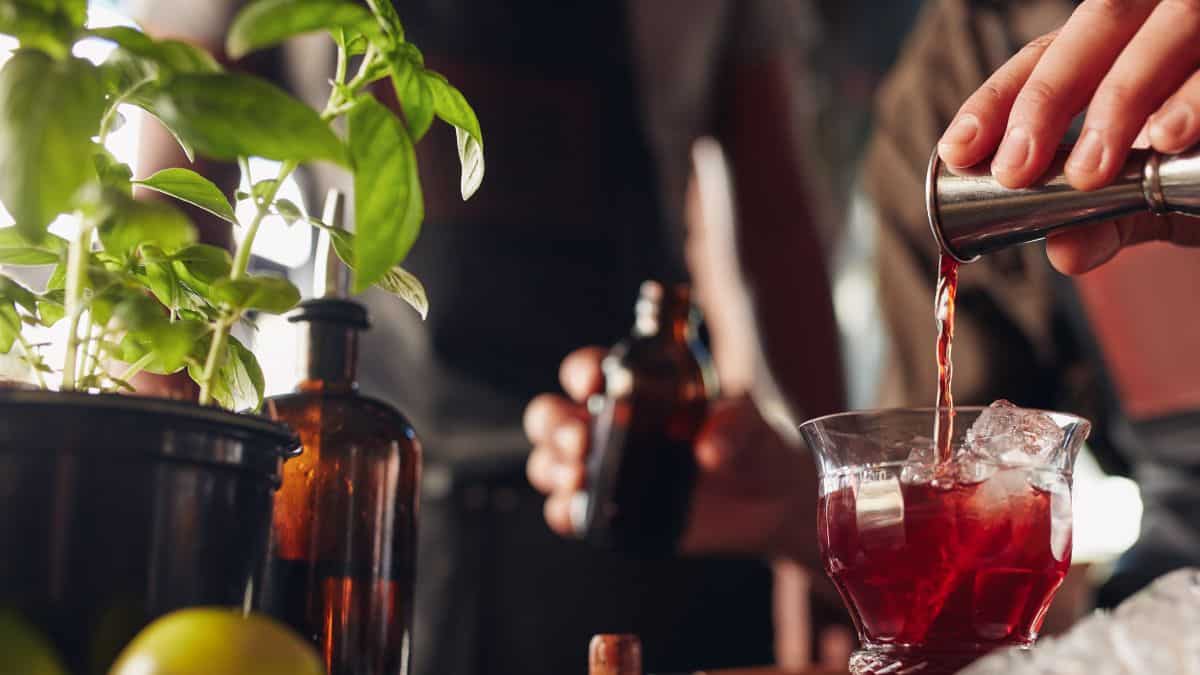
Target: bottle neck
<point>676,326</point>
<point>664,310</point>
<point>330,357</point>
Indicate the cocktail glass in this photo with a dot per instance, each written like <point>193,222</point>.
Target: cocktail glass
<point>940,565</point>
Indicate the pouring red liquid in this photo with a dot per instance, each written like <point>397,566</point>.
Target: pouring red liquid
<point>947,291</point>
<point>944,550</point>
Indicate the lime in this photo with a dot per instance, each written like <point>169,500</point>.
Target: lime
<point>23,649</point>
<point>209,640</point>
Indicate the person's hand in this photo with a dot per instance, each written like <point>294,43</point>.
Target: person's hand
<point>754,493</point>
<point>1135,66</point>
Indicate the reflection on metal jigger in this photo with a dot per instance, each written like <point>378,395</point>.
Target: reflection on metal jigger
<point>971,214</point>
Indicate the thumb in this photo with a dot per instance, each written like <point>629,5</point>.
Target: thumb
<point>580,373</point>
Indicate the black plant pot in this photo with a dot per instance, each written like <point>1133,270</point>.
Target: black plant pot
<point>115,510</point>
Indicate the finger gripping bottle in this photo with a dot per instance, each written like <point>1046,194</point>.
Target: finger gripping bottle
<point>640,470</point>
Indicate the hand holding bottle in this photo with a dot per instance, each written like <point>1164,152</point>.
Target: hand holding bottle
<point>1133,65</point>
<point>753,492</point>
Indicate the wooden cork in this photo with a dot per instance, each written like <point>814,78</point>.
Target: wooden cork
<point>615,655</point>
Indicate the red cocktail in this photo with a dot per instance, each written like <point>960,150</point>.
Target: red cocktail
<point>939,564</point>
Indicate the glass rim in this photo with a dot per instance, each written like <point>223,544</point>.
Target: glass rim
<point>852,469</point>
<point>931,410</point>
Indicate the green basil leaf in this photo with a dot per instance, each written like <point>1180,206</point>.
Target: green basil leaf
<point>269,294</point>
<point>288,211</point>
<point>141,92</point>
<point>49,111</point>
<point>51,307</point>
<point>184,144</point>
<point>246,376</point>
<point>226,116</point>
<point>401,283</point>
<point>13,292</point>
<point>38,24</point>
<point>452,107</point>
<point>353,41</point>
<point>149,252</point>
<point>171,343</point>
<point>343,240</point>
<point>412,89</point>
<point>397,281</point>
<point>112,173</point>
<point>137,312</point>
<point>58,277</point>
<point>343,245</point>
<point>268,22</point>
<point>191,187</point>
<point>239,381</point>
<point>133,223</point>
<point>123,71</point>
<point>131,39</point>
<point>116,121</point>
<point>101,309</point>
<point>159,276</point>
<point>171,55</point>
<point>264,188</point>
<point>10,326</point>
<point>204,262</point>
<point>17,249</point>
<point>387,14</point>
<point>74,10</point>
<point>388,205</point>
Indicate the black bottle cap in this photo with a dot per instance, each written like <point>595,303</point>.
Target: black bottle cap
<point>332,310</point>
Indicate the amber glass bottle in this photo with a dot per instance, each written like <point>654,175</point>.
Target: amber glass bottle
<point>613,654</point>
<point>641,469</point>
<point>344,540</point>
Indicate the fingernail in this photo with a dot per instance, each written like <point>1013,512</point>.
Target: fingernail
<point>961,132</point>
<point>1088,155</point>
<point>569,438</point>
<point>1014,151</point>
<point>1168,127</point>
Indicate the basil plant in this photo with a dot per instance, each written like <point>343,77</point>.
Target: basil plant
<point>138,293</point>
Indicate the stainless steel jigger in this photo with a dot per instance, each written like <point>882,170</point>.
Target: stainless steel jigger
<point>971,214</point>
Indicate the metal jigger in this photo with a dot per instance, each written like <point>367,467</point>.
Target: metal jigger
<point>971,214</point>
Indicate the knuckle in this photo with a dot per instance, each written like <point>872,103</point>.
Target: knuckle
<point>1042,42</point>
<point>1116,97</point>
<point>1037,94</point>
<point>1115,9</point>
<point>990,93</point>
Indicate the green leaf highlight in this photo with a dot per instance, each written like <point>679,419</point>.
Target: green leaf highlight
<point>387,192</point>
<point>191,187</point>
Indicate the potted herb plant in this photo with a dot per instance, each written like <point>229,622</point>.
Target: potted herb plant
<point>116,509</point>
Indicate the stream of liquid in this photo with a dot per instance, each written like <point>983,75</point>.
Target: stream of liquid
<point>947,289</point>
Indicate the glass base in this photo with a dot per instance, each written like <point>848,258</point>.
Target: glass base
<point>897,660</point>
